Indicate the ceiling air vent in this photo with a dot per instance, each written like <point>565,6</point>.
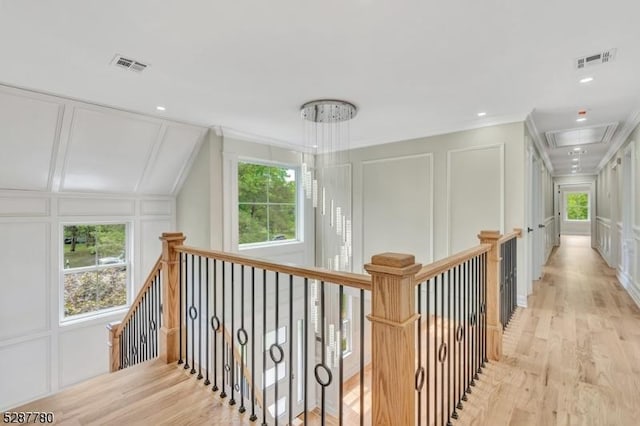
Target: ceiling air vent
<point>129,64</point>
<point>596,59</point>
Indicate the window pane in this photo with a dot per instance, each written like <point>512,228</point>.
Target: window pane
<point>91,245</point>
<point>578,206</point>
<point>110,244</point>
<point>252,223</point>
<point>282,222</point>
<point>252,183</point>
<point>282,185</point>
<point>95,290</point>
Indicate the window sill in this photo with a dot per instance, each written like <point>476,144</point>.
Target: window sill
<point>89,319</point>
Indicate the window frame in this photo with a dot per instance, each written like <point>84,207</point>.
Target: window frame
<point>299,202</point>
<point>566,210</point>
<point>128,264</point>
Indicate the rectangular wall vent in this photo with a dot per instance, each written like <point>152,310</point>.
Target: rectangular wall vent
<point>128,63</point>
<point>596,59</point>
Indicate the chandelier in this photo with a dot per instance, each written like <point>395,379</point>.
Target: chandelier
<point>326,176</point>
<point>326,179</point>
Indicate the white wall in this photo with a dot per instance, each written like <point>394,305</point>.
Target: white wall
<point>431,196</point>
<point>38,354</point>
<point>619,242</point>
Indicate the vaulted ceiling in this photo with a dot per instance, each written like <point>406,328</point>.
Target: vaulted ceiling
<point>414,68</point>
<point>54,144</point>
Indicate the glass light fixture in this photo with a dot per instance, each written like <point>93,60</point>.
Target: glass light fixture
<point>327,142</point>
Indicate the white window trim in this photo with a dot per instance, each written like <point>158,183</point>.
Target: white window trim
<point>88,316</point>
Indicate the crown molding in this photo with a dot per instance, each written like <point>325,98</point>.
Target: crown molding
<point>537,141</point>
<point>620,138</point>
<point>227,132</point>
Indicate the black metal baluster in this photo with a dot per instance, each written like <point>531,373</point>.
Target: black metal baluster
<point>428,349</point>
<point>473,325</point>
<point>199,316</point>
<point>180,283</point>
<point>122,340</point>
<point>152,317</point>
<point>478,320</point>
<point>232,370</point>
<point>290,349</point>
<point>215,324</point>
<point>435,349</point>
<point>146,326</point>
<point>192,315</point>
<point>361,360</point>
<point>264,348</point>
<point>253,416</point>
<point>206,318</point>
<point>456,344</point>
<point>441,351</point>
<point>465,322</point>
<point>484,304</point>
<point>159,325</point>
<point>323,352</point>
<point>476,364</point>
<point>223,349</point>
<point>134,337</point>
<point>186,312</point>
<point>449,369</point>
<point>274,358</point>
<point>242,340</point>
<point>420,370</point>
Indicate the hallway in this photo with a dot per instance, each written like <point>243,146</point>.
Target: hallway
<point>572,357</point>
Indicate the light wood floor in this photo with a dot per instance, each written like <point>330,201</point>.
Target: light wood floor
<point>152,393</point>
<point>572,357</point>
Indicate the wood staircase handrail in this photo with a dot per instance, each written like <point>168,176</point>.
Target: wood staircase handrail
<point>516,233</point>
<point>143,290</point>
<point>433,269</point>
<point>348,279</point>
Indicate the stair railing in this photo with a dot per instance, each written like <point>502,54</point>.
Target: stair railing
<point>243,325</point>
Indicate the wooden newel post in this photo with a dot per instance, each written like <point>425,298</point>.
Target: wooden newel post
<point>494,326</point>
<point>114,346</point>
<point>169,333</point>
<point>393,338</point>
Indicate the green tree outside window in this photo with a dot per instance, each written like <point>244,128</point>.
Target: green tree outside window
<point>266,203</point>
<point>577,206</point>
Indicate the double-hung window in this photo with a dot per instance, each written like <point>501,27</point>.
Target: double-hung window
<point>267,203</point>
<point>577,206</point>
<point>95,268</point>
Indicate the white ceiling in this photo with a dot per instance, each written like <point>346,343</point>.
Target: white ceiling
<point>54,144</point>
<point>414,68</point>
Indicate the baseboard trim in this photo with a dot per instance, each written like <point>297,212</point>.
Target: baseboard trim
<point>634,292</point>
<point>605,257</point>
<point>522,301</point>
<point>624,278</point>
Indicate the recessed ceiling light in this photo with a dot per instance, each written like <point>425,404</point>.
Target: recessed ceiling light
<point>161,108</point>
<point>314,146</point>
<point>576,159</point>
<point>575,166</point>
<point>482,114</point>
<point>586,80</point>
<point>573,171</point>
<point>576,149</point>
<point>581,119</point>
